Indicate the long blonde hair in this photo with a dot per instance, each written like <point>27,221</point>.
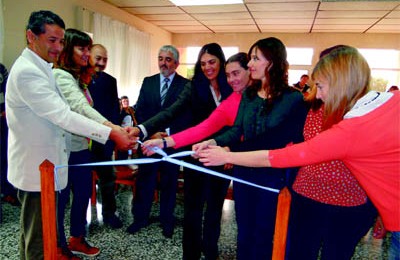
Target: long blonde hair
<point>348,75</point>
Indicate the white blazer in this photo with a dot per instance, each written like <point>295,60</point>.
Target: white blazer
<point>78,103</point>
<point>39,118</point>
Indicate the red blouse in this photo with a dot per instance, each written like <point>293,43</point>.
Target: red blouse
<point>329,182</point>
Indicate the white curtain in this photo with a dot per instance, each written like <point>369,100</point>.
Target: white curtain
<point>1,31</point>
<point>128,53</point>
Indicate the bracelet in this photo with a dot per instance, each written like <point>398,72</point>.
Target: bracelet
<point>164,143</point>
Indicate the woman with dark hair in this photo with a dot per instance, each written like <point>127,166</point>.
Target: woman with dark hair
<point>209,89</point>
<point>270,116</point>
<point>238,77</point>
<point>73,74</point>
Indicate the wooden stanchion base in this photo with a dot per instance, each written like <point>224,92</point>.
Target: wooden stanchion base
<point>281,224</point>
<point>48,200</point>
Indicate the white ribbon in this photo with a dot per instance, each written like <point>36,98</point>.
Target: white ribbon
<point>167,158</point>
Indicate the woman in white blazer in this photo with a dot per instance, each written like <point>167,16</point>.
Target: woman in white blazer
<point>73,74</point>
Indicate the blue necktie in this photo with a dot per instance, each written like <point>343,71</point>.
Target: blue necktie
<point>164,90</point>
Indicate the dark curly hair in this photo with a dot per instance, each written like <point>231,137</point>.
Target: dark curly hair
<point>277,74</point>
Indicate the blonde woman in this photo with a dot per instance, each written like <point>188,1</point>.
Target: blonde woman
<point>361,128</point>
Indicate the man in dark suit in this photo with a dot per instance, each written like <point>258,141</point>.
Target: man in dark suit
<point>158,92</point>
<point>103,90</point>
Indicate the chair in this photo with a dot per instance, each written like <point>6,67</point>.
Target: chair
<point>124,175</point>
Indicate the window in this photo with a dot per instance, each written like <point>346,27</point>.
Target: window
<point>295,75</point>
<point>384,64</point>
<point>189,57</point>
<point>1,31</point>
<point>300,61</point>
<point>300,56</point>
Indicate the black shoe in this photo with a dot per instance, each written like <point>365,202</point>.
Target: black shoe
<point>154,219</point>
<point>167,233</point>
<point>113,221</point>
<point>134,228</point>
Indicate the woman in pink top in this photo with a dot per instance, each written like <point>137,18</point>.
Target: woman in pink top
<point>238,78</point>
<point>360,128</point>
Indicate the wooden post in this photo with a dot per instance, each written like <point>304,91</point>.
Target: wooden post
<point>93,198</point>
<point>281,224</point>
<point>48,201</point>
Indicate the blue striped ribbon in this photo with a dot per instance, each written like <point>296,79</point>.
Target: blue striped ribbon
<point>167,158</point>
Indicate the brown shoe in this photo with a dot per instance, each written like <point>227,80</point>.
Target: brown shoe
<point>379,229</point>
<point>66,254</point>
<point>78,245</point>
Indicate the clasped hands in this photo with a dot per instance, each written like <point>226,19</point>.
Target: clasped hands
<point>124,137</point>
<point>210,154</point>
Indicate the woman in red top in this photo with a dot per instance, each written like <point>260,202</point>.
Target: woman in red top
<point>360,128</point>
<point>330,211</point>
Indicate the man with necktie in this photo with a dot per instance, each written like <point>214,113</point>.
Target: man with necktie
<point>157,93</point>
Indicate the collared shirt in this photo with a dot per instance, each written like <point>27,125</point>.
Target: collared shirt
<point>162,78</point>
<point>39,59</point>
<point>217,100</point>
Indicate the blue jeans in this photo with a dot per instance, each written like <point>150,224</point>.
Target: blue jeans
<point>80,184</point>
<point>394,249</point>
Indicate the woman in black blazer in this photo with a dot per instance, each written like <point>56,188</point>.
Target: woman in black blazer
<point>209,88</point>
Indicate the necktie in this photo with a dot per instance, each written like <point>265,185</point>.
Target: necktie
<point>164,90</point>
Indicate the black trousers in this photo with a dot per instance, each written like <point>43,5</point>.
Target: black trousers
<point>106,176</point>
<point>146,184</point>
<point>335,230</point>
<point>202,190</point>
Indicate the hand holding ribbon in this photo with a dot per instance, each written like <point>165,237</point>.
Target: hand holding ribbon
<point>167,158</point>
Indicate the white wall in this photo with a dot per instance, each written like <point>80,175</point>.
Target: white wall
<point>16,14</point>
<point>317,41</point>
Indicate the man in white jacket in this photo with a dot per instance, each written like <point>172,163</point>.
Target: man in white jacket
<point>39,122</point>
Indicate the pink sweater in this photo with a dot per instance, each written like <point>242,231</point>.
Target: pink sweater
<point>369,145</point>
<point>223,115</point>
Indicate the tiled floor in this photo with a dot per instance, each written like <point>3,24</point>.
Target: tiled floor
<point>149,244</point>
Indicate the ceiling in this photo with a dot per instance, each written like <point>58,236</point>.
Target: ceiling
<point>263,16</point>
